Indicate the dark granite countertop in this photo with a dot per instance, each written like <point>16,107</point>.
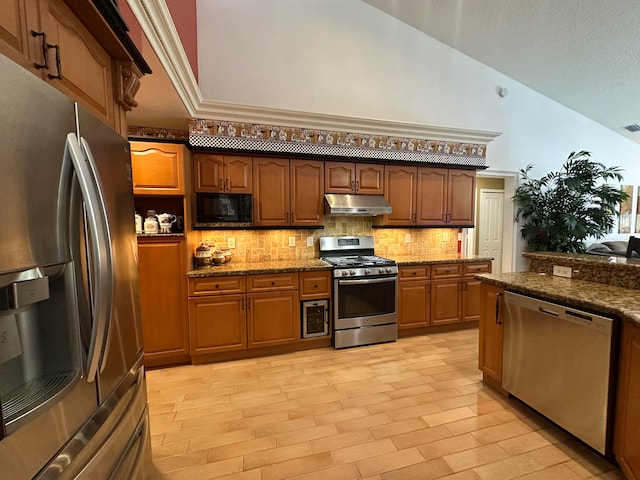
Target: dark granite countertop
<point>275,266</point>
<point>596,297</point>
<point>438,258</point>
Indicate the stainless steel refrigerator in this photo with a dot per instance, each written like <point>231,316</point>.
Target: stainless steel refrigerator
<point>72,386</point>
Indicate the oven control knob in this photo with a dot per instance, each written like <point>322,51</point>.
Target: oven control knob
<point>352,272</point>
<point>382,270</point>
<point>367,271</point>
<point>344,273</point>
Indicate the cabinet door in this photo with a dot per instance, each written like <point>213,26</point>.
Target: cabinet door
<point>445,301</point>
<point>471,299</point>
<point>413,304</point>
<point>461,197</point>
<point>490,326</point>
<point>307,192</point>
<point>431,196</point>
<point>158,168</point>
<point>369,179</point>
<point>271,192</point>
<point>626,443</point>
<point>340,177</point>
<point>400,192</point>
<point>163,301</point>
<point>84,72</point>
<point>273,318</point>
<point>18,18</point>
<point>217,324</point>
<point>208,172</point>
<point>237,174</point>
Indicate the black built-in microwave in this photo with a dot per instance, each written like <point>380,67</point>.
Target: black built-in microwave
<point>222,210</point>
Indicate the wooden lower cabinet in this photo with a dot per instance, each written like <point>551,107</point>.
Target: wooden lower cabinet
<point>626,443</point>
<point>414,297</point>
<point>455,293</point>
<point>218,324</point>
<point>490,330</point>
<point>273,318</point>
<point>163,301</point>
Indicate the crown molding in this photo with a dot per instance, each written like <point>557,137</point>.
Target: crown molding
<point>156,22</point>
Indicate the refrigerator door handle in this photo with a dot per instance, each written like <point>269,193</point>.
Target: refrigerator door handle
<point>106,342</point>
<point>100,253</point>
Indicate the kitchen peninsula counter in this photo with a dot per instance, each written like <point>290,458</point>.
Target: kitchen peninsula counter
<point>596,297</point>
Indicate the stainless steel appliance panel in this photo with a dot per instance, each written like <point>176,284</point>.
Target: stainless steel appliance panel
<point>558,361</point>
<point>29,219</point>
<point>365,297</point>
<point>354,337</point>
<point>68,277</point>
<point>112,163</point>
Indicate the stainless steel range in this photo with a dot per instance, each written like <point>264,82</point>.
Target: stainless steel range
<point>365,292</point>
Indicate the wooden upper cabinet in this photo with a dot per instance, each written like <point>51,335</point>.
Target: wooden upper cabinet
<point>47,38</point>
<point>18,18</point>
<point>158,168</point>
<point>461,197</point>
<point>432,196</point>
<point>369,179</point>
<point>347,177</point>
<point>271,205</point>
<point>307,192</point>
<point>400,192</point>
<point>424,196</point>
<point>222,173</point>
<point>80,67</point>
<point>288,192</point>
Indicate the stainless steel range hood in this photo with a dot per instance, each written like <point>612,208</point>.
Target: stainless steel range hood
<point>345,204</point>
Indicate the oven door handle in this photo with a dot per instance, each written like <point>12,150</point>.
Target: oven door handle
<point>367,280</point>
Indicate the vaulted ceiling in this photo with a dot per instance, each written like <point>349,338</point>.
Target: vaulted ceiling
<point>584,54</point>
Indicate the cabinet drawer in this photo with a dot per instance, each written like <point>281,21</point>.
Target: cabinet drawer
<point>417,272</point>
<point>446,270</point>
<point>470,269</point>
<point>216,285</point>
<point>272,281</point>
<point>315,285</point>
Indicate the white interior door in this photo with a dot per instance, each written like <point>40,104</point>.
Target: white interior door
<point>490,220</point>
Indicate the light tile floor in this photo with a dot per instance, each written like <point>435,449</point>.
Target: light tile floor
<point>413,409</point>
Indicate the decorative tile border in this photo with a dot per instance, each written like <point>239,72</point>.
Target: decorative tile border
<point>152,132</point>
<point>278,139</point>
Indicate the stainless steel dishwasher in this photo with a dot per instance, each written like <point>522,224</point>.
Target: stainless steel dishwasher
<point>558,361</point>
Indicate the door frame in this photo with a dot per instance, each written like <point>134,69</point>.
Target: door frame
<point>509,226</point>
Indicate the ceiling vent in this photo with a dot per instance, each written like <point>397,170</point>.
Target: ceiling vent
<point>633,128</point>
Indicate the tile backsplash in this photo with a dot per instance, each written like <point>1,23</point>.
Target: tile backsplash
<point>262,245</point>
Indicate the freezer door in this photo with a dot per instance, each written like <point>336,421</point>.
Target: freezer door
<point>108,156</point>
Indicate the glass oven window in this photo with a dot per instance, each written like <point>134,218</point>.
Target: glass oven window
<point>368,299</point>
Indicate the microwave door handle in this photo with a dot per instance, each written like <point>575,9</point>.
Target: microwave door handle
<point>100,248</point>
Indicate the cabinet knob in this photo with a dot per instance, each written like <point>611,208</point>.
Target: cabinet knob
<point>216,286</point>
<point>415,273</point>
<point>273,283</point>
<point>315,286</point>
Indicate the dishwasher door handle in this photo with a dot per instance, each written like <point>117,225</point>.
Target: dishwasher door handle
<point>548,312</point>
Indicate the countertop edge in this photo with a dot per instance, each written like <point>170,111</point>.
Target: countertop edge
<point>284,266</point>
<point>553,287</point>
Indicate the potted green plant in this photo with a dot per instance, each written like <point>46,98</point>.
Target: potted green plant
<point>562,209</point>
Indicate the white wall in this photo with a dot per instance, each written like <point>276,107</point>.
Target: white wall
<point>344,57</point>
